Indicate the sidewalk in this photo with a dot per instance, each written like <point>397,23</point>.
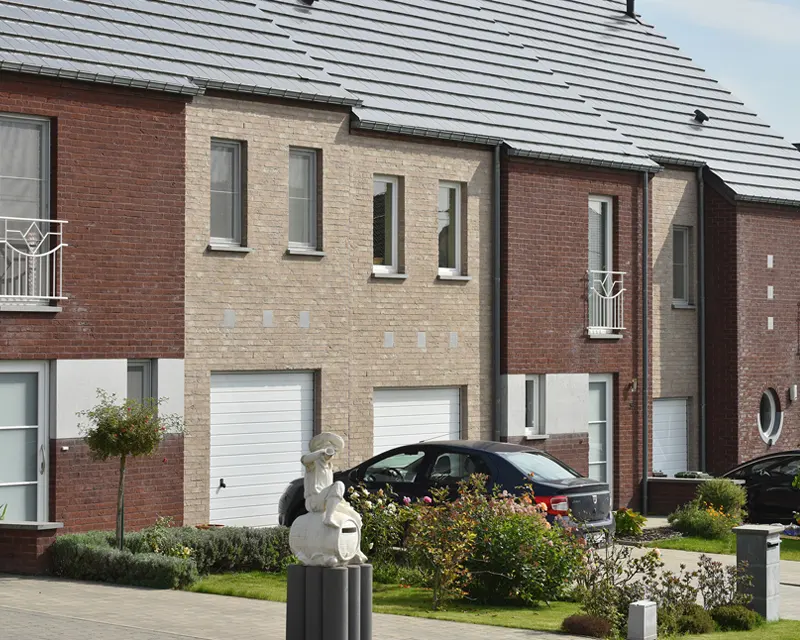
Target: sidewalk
<point>49,609</point>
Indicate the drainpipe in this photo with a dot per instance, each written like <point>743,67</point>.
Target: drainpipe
<point>646,341</point>
<point>701,308</point>
<point>496,342</point>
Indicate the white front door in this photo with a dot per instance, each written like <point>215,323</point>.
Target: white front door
<point>261,424</point>
<point>23,441</point>
<point>601,428</point>
<point>408,416</point>
<point>670,435</point>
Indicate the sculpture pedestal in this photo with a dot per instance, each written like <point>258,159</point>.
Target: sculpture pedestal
<point>329,603</point>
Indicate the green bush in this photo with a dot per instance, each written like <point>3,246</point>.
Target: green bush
<point>628,523</point>
<point>722,494</point>
<point>695,620</point>
<point>736,618</point>
<point>703,521</point>
<point>90,557</point>
<point>584,625</point>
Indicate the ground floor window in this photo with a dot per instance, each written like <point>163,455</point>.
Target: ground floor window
<point>770,417</point>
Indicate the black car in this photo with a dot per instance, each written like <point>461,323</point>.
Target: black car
<point>412,470</point>
<point>768,480</point>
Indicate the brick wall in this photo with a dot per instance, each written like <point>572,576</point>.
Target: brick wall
<point>25,551</point>
<point>118,180</point>
<point>572,449</point>
<point>722,332</point>
<point>664,495</point>
<point>83,491</point>
<point>349,310</point>
<point>544,315</point>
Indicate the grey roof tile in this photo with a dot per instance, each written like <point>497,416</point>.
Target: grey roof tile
<point>174,45</point>
<point>647,88</point>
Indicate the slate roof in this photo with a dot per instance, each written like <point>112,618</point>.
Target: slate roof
<point>181,46</point>
<point>649,90</point>
<point>443,68</point>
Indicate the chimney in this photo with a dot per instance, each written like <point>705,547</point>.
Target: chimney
<point>631,8</point>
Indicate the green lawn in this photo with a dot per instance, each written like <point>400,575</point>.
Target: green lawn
<point>790,549</point>
<point>409,601</point>
<point>783,630</point>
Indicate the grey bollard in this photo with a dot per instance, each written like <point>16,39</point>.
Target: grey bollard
<point>313,608</point>
<point>366,602</point>
<point>334,603</point>
<point>643,620</point>
<point>760,547</point>
<point>295,603</point>
<point>354,603</point>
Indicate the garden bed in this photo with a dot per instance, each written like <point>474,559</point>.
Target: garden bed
<point>650,535</point>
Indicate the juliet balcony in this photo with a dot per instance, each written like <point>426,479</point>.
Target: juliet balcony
<point>30,264</point>
<point>606,304</point>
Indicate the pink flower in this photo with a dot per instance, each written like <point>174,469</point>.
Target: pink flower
<point>164,461</point>
<point>427,500</point>
<point>406,500</point>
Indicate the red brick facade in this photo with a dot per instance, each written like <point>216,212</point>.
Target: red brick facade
<point>544,292</point>
<point>117,159</point>
<point>745,357</point>
<point>25,550</point>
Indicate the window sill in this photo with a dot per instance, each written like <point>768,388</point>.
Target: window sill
<point>30,526</point>
<point>31,308</point>
<point>445,278</point>
<point>308,253</point>
<point>604,336</point>
<point>390,276</point>
<point>229,248</point>
<point>684,306</point>
<point>535,436</point>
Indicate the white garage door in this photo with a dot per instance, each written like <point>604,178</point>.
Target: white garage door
<point>260,426</point>
<point>670,436</point>
<point>407,416</point>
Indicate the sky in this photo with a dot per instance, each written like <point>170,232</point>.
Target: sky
<point>751,47</point>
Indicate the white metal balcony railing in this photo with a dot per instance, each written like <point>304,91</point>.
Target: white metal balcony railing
<point>30,261</point>
<point>606,302</point>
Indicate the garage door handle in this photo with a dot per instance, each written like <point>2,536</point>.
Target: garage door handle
<point>222,484</point>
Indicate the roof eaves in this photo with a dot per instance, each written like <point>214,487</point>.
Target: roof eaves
<point>787,202</point>
<point>276,93</point>
<point>406,130</point>
<point>650,166</point>
<point>99,78</point>
<point>681,162</point>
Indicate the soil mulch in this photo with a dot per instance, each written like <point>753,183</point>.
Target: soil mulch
<point>652,535</point>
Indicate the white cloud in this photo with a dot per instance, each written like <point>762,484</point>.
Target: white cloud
<point>766,20</point>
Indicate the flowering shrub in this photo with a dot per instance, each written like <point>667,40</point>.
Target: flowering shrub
<point>703,520</point>
<point>629,523</point>
<point>157,540</point>
<point>131,428</point>
<point>723,494</point>
<point>383,521</point>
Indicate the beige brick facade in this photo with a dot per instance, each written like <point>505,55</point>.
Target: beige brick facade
<point>675,330</point>
<point>349,310</point>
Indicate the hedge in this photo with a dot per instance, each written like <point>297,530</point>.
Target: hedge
<point>91,556</point>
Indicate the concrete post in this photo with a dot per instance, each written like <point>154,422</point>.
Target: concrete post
<point>760,547</point>
<point>366,602</point>
<point>335,603</point>
<point>643,620</point>
<point>313,603</point>
<point>354,603</point>
<point>295,599</point>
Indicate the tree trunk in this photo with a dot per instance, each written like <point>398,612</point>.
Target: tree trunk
<point>121,505</point>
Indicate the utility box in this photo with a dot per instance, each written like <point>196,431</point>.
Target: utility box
<point>643,620</point>
<point>760,547</point>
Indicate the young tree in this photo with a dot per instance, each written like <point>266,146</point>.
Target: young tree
<point>123,430</point>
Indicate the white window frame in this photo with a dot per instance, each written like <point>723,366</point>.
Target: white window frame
<point>771,435</point>
<point>392,268</point>
<point>608,379</point>
<point>456,271</point>
<point>311,245</point>
<point>149,375</point>
<point>609,230</point>
<point>238,181</point>
<point>534,414</point>
<point>43,450</point>
<point>687,264</point>
<point>44,124</point>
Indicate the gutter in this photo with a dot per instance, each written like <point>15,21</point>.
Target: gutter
<point>701,308</point>
<point>496,265</point>
<point>646,341</point>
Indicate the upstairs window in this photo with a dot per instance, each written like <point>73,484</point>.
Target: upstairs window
<point>303,199</point>
<point>682,266</point>
<point>449,228</point>
<point>227,184</point>
<point>385,232</point>
<point>24,168</point>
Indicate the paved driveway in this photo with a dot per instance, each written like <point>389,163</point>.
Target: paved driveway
<point>48,609</point>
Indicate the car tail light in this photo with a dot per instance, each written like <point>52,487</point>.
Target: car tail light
<point>556,505</point>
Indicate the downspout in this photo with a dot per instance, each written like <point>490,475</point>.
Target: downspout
<point>701,307</point>
<point>496,342</point>
<point>646,341</point>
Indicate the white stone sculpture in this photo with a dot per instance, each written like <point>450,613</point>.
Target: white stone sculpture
<point>329,535</point>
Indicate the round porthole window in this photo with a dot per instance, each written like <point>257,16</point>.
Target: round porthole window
<point>770,417</point>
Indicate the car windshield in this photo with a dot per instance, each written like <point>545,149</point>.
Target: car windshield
<point>400,461</point>
<point>539,466</point>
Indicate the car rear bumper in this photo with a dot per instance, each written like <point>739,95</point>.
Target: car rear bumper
<point>598,531</point>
